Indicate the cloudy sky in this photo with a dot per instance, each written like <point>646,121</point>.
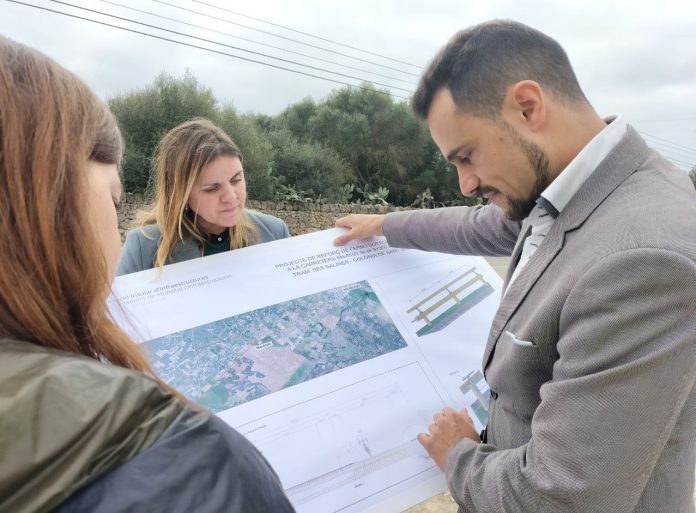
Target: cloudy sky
<point>633,58</point>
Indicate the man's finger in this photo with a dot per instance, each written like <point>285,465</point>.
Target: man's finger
<point>342,240</point>
<point>343,222</point>
<point>424,439</point>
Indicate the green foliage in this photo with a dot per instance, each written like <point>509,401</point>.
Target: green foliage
<point>468,202</point>
<point>263,122</point>
<point>344,195</point>
<point>692,175</point>
<point>439,176</point>
<point>424,200</point>
<point>346,133</point>
<point>296,117</point>
<point>257,152</point>
<point>145,116</point>
<point>356,145</point>
<point>308,165</point>
<point>382,141</point>
<point>378,197</point>
<point>293,194</point>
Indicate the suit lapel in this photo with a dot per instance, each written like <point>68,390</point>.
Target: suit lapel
<point>518,289</point>
<point>621,162</point>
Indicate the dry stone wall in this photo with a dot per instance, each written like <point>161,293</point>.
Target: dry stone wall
<point>131,205</point>
<point>300,217</point>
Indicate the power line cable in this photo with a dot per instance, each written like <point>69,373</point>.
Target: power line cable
<point>669,143</point>
<point>664,120</point>
<point>226,45</point>
<point>678,162</point>
<point>671,151</point>
<point>677,158</point>
<point>207,49</point>
<point>254,42</point>
<point>283,37</point>
<point>684,167</point>
<point>668,153</point>
<point>670,158</point>
<point>307,34</point>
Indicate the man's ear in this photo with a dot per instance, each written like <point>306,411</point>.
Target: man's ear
<point>525,106</point>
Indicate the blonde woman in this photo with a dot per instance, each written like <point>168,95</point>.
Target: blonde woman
<point>200,202</point>
<point>85,425</point>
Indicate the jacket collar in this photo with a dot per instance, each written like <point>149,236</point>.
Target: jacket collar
<point>186,250</point>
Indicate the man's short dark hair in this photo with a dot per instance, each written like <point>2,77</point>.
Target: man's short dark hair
<point>479,63</point>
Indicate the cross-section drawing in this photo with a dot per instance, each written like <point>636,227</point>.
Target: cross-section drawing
<point>436,309</point>
<point>477,393</point>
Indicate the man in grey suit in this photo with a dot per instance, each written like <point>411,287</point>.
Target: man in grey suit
<point>591,358</point>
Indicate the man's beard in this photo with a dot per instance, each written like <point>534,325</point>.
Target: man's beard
<point>520,208</point>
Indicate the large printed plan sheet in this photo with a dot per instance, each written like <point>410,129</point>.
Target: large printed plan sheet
<point>329,359</point>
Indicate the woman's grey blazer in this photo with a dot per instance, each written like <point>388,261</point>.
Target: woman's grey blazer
<point>141,244</point>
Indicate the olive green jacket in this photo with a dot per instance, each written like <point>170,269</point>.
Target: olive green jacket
<point>60,425</point>
<point>78,435</point>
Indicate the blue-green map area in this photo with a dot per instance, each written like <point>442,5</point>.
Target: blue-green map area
<point>241,358</point>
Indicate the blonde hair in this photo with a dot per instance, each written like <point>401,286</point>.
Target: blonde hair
<point>181,156</point>
<point>54,277</point>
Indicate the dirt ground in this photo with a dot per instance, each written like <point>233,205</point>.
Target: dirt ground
<point>442,503</point>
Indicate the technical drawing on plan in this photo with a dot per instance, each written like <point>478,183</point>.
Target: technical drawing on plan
<point>352,458</point>
<point>477,394</point>
<point>450,298</point>
<point>241,358</point>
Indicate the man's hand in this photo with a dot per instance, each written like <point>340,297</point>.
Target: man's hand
<point>362,226</point>
<point>448,426</point>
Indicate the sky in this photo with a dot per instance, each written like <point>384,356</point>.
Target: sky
<point>632,58</point>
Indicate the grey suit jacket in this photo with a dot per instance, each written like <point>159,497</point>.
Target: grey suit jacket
<point>591,358</point>
<point>141,245</point>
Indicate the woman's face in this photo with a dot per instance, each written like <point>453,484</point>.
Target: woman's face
<point>219,194</point>
<point>104,194</point>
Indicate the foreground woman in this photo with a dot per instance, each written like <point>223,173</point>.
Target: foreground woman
<point>84,423</point>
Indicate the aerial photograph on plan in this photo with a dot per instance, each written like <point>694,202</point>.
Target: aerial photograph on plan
<point>234,360</point>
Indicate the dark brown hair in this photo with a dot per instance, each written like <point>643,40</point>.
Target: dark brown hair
<point>479,63</point>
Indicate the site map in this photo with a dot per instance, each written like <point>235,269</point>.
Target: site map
<point>241,358</point>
